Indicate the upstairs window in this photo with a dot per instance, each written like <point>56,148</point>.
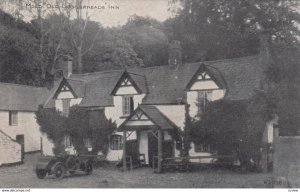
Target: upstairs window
<point>66,107</point>
<point>128,105</point>
<point>116,142</point>
<point>204,97</point>
<point>13,118</point>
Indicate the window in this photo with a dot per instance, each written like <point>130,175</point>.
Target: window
<point>202,147</point>
<point>13,118</point>
<point>116,142</point>
<point>204,97</point>
<point>68,141</point>
<point>87,143</point>
<point>66,107</point>
<point>128,105</point>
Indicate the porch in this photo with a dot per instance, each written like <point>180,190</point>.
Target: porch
<point>154,138</point>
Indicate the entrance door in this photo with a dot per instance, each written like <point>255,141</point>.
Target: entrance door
<point>21,140</point>
<point>152,147</point>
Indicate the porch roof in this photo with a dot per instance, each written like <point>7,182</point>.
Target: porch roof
<point>159,120</point>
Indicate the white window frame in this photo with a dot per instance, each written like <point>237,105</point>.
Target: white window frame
<point>87,142</point>
<point>206,97</point>
<point>126,105</point>
<point>202,147</point>
<point>66,107</point>
<point>13,118</point>
<point>116,142</point>
<point>68,141</point>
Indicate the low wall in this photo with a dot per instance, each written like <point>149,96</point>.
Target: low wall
<point>287,159</point>
<point>10,150</point>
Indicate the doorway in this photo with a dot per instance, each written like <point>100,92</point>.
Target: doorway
<point>21,140</point>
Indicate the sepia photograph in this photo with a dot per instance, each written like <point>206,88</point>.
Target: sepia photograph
<point>173,94</point>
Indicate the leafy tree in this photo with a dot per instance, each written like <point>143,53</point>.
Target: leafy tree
<point>84,124</point>
<point>230,126</point>
<point>54,125</point>
<point>230,28</point>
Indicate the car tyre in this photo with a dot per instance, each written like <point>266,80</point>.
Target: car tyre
<point>88,168</point>
<point>59,171</point>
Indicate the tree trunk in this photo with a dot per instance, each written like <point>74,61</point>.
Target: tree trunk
<point>79,59</point>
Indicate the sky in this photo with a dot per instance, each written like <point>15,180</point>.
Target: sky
<point>157,9</point>
<point>108,12</point>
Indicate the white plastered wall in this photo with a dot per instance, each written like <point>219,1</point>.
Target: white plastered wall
<point>26,126</point>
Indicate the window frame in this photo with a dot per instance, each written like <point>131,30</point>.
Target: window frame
<point>127,105</point>
<point>116,142</point>
<point>202,148</point>
<point>204,99</point>
<point>68,141</point>
<point>66,110</point>
<point>13,118</point>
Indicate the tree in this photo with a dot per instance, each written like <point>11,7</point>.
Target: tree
<point>54,125</point>
<point>84,124</point>
<point>230,126</point>
<point>20,61</point>
<point>223,29</point>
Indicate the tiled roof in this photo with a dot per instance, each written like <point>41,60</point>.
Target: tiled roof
<point>164,85</point>
<point>21,97</point>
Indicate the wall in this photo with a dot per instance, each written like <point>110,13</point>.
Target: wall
<point>27,126</point>
<point>116,113</point>
<point>10,151</point>
<point>287,159</point>
<point>192,94</point>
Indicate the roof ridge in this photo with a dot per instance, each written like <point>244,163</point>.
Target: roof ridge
<point>21,85</point>
<point>98,72</point>
<point>230,59</point>
<point>75,80</point>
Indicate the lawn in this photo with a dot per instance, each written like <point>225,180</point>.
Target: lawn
<point>111,177</point>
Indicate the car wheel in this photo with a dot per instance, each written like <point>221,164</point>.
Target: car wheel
<point>41,174</point>
<point>88,168</point>
<point>59,171</point>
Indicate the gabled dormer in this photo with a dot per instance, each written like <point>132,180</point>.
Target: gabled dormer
<point>130,84</point>
<point>64,91</point>
<point>206,78</point>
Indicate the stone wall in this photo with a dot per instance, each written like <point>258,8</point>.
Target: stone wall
<point>10,150</point>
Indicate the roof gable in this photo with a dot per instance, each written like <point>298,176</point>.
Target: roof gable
<point>127,80</point>
<point>64,87</point>
<point>205,74</point>
<point>147,115</point>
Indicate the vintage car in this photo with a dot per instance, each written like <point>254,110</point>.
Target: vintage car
<point>60,165</point>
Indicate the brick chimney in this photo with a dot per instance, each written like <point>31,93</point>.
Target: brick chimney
<point>64,67</point>
<point>175,54</point>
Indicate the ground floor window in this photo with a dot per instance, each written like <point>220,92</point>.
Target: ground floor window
<point>116,142</point>
<point>68,141</point>
<point>88,142</point>
<point>202,147</point>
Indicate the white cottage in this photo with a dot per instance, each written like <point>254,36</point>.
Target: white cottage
<point>149,104</point>
<point>19,132</point>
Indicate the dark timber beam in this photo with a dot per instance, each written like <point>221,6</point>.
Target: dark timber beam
<point>124,151</point>
<point>159,165</point>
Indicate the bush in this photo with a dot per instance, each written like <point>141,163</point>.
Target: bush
<point>54,125</point>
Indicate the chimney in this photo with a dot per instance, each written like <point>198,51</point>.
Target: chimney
<point>175,54</point>
<point>67,65</point>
